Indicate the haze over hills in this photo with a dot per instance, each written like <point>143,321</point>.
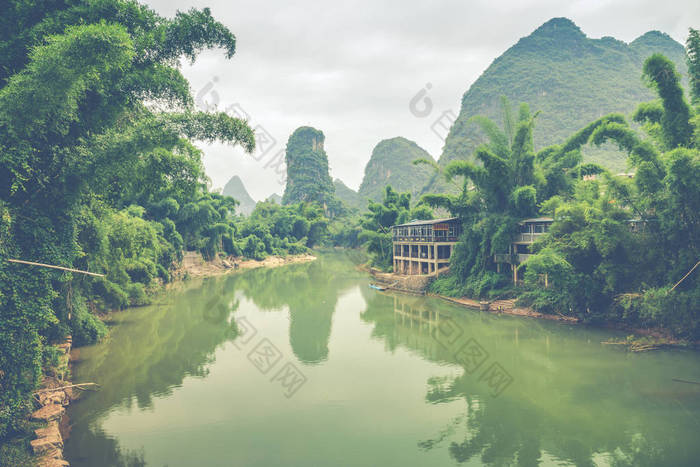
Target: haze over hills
<point>570,78</point>
<point>235,189</point>
<point>275,198</point>
<point>555,69</point>
<point>391,163</point>
<point>347,195</point>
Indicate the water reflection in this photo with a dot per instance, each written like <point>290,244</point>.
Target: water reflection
<point>572,400</point>
<point>310,292</point>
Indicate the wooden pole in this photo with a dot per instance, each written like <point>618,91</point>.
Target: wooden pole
<point>687,274</point>
<point>19,261</point>
<point>79,386</point>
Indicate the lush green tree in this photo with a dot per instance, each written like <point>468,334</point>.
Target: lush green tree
<point>376,224</point>
<point>94,117</point>
<point>625,242</point>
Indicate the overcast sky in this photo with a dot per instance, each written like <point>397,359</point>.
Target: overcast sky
<point>351,68</point>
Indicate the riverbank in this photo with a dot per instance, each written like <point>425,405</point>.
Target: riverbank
<point>194,265</point>
<point>55,394</point>
<point>639,340</point>
<point>419,285</point>
<point>57,391</point>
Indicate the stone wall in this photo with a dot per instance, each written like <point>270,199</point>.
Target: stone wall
<point>53,399</point>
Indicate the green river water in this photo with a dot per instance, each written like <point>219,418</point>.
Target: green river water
<point>305,365</point>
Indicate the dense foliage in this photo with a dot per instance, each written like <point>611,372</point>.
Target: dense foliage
<point>617,245</point>
<point>505,188</point>
<point>376,224</point>
<point>97,172</point>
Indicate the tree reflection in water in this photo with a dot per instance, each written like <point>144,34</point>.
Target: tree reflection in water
<point>573,401</point>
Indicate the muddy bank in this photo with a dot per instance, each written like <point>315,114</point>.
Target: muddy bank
<point>639,340</point>
<point>419,285</point>
<point>193,265</point>
<point>507,307</point>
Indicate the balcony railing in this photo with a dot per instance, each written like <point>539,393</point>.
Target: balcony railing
<point>527,237</point>
<point>424,238</point>
<point>503,258</point>
<point>511,258</point>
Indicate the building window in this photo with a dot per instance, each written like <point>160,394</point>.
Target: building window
<point>539,228</point>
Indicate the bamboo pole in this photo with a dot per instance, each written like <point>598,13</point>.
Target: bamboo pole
<point>687,274</point>
<point>19,261</point>
<point>78,386</point>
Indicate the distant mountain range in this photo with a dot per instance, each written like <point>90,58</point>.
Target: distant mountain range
<point>235,189</point>
<point>275,198</point>
<point>570,78</point>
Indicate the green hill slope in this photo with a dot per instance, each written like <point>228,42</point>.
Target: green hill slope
<point>347,195</point>
<point>570,78</point>
<point>391,164</point>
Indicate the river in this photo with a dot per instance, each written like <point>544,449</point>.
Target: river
<point>305,365</point>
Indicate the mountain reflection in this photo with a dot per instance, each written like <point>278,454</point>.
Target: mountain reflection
<point>311,292</point>
<point>568,399</point>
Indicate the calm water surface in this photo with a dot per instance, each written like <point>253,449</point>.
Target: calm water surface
<point>307,366</point>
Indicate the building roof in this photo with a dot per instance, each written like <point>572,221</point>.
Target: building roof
<point>536,219</point>
<point>427,222</point>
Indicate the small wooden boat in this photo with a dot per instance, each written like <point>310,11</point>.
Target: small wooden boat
<point>383,287</point>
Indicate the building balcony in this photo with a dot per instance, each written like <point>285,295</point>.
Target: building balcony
<point>527,237</point>
<point>424,239</point>
<point>508,258</point>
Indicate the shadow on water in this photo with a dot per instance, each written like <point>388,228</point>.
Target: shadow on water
<point>566,397</point>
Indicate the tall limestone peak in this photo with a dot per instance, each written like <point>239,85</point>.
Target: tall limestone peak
<point>307,169</point>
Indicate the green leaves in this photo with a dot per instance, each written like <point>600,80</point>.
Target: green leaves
<point>675,120</point>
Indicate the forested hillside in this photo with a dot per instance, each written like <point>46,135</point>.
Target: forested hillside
<point>347,195</point>
<point>570,78</point>
<point>391,163</point>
